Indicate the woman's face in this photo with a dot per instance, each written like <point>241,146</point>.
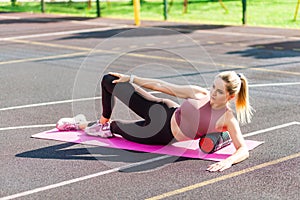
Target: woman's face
<point>218,92</point>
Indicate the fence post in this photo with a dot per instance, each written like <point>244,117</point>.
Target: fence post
<point>42,6</point>
<point>98,8</point>
<point>165,9</point>
<point>244,11</point>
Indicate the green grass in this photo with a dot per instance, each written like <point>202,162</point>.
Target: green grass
<point>275,13</point>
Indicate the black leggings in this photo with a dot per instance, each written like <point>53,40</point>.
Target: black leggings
<point>155,128</point>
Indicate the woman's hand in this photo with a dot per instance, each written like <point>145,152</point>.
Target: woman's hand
<point>220,166</point>
<point>122,77</point>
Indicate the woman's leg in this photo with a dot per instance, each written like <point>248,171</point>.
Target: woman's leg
<point>137,99</point>
<point>154,129</point>
<point>140,132</point>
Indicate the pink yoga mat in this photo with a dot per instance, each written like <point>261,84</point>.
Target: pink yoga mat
<point>188,149</point>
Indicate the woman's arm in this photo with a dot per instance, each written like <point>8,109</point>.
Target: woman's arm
<point>181,91</point>
<point>238,141</point>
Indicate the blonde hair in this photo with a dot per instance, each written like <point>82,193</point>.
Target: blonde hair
<point>238,84</point>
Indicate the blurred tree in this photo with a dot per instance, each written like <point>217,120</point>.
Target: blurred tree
<point>13,2</point>
<point>89,4</point>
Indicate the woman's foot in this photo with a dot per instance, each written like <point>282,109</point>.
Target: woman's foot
<point>99,129</point>
<point>68,124</point>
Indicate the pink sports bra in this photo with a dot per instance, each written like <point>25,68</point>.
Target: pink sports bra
<point>196,118</point>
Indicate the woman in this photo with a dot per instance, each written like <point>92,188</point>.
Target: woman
<point>164,121</point>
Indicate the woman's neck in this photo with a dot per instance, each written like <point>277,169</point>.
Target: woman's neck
<point>215,106</point>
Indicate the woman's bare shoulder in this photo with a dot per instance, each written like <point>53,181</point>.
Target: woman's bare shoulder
<point>230,116</point>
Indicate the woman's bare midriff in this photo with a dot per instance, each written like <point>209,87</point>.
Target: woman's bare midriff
<point>177,133</point>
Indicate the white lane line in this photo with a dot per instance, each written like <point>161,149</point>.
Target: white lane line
<point>55,102</point>
<point>61,33</point>
<point>274,84</point>
<point>126,26</point>
<point>98,23</point>
<point>271,129</point>
<point>10,17</point>
<point>63,183</point>
<point>153,92</point>
<point>28,126</point>
<point>49,103</point>
<point>246,34</point>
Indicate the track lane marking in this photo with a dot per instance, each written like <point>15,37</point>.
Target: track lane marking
<point>49,103</point>
<point>52,45</point>
<point>9,17</point>
<point>215,63</point>
<point>95,98</point>
<point>28,126</point>
<point>274,84</point>
<point>62,33</point>
<point>271,129</point>
<point>43,58</point>
<point>127,26</point>
<point>247,34</point>
<point>244,171</point>
<point>126,167</point>
<point>100,24</point>
<point>63,183</point>
<point>225,177</point>
<point>137,55</point>
<point>56,102</point>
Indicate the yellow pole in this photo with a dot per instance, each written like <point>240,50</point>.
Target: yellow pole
<point>224,7</point>
<point>136,8</point>
<point>296,12</point>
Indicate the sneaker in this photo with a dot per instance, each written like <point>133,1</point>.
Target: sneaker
<point>68,124</point>
<point>101,130</point>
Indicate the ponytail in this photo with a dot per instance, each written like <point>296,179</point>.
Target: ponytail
<point>243,107</point>
<point>238,84</point>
